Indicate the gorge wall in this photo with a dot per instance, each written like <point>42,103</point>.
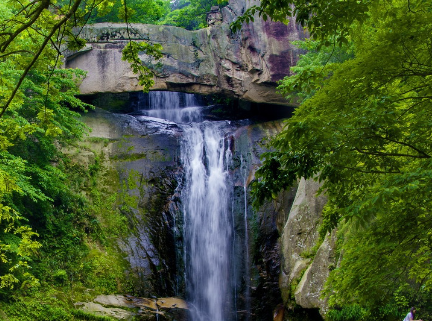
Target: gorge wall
<point>246,64</point>
<point>289,262</point>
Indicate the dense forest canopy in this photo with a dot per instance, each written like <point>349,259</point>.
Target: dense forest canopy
<point>363,128</point>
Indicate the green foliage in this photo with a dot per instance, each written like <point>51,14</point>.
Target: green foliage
<point>348,313</point>
<point>131,54</point>
<point>191,15</point>
<point>59,221</point>
<point>142,11</point>
<point>364,129</point>
<point>81,315</point>
<point>60,277</point>
<point>316,65</point>
<point>28,177</point>
<point>46,306</point>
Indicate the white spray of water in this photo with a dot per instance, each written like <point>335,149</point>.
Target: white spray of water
<point>207,221</point>
<point>173,106</point>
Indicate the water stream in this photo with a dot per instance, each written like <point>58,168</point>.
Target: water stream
<point>247,262</point>
<point>206,198</point>
<point>207,224</point>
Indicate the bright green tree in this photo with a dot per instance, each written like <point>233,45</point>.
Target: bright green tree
<point>38,115</point>
<point>192,15</point>
<point>363,128</point>
<point>138,11</point>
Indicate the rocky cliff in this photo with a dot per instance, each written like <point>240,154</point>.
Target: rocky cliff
<point>288,262</point>
<point>245,65</point>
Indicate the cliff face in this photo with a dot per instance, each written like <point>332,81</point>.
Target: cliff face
<point>246,64</point>
<point>286,250</point>
<point>288,263</point>
<point>144,157</point>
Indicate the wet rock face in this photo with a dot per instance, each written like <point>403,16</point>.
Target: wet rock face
<point>258,291</point>
<point>286,266</point>
<point>144,154</point>
<point>246,64</point>
<point>267,253</point>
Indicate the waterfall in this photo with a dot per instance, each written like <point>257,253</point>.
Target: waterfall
<point>206,197</point>
<point>207,224</point>
<point>173,106</point>
<point>246,239</point>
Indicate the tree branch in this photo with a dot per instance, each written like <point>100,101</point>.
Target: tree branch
<point>36,57</point>
<point>362,151</point>
<point>37,13</point>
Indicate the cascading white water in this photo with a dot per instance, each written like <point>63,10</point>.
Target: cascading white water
<point>179,108</point>
<point>207,224</point>
<point>208,220</point>
<point>246,240</point>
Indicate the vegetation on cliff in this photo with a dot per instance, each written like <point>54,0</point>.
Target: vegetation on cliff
<point>191,15</point>
<point>363,128</point>
<point>188,14</point>
<point>59,219</point>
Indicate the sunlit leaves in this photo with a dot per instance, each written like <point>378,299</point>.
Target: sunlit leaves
<point>138,11</point>
<point>365,123</point>
<point>131,54</point>
<point>191,14</point>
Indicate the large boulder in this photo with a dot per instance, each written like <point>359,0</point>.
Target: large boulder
<point>246,64</point>
<point>308,291</point>
<point>307,259</point>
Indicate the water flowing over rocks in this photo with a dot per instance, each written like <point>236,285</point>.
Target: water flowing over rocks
<point>277,259</point>
<point>245,65</point>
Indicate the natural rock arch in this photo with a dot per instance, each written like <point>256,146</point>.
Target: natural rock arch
<point>245,65</point>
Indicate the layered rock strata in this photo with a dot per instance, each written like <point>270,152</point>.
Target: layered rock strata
<point>246,64</point>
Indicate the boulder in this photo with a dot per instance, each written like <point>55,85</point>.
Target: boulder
<point>308,291</point>
<point>123,307</point>
<point>300,236</point>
